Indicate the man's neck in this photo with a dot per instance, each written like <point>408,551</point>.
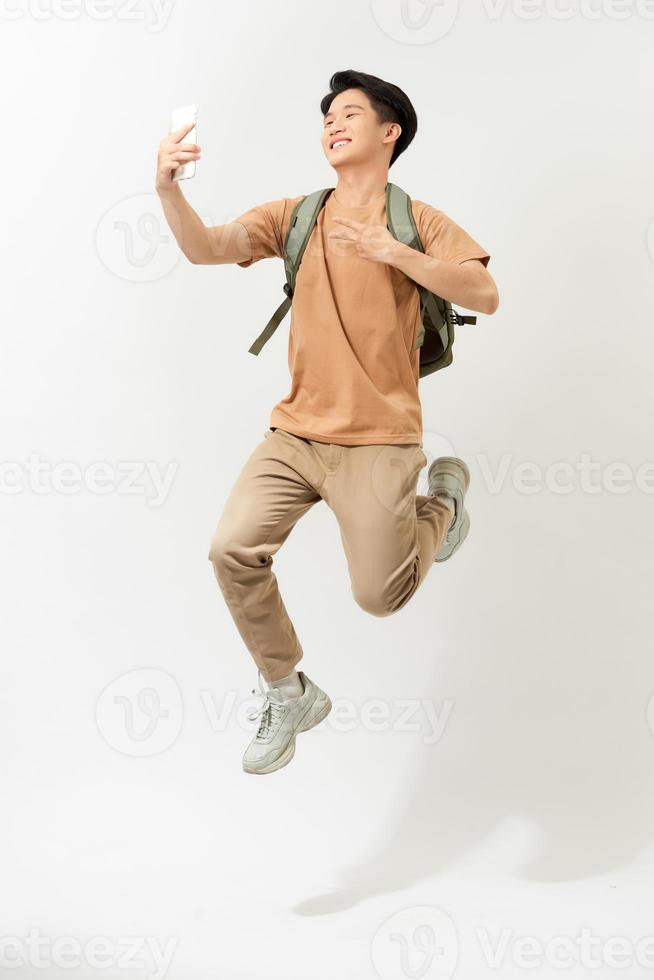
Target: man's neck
<point>356,190</point>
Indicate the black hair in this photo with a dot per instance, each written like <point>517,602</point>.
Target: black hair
<point>389,102</point>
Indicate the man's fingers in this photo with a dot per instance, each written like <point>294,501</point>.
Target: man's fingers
<point>169,146</point>
<point>177,134</point>
<point>182,155</point>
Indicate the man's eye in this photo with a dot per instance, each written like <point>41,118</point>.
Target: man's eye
<point>347,117</point>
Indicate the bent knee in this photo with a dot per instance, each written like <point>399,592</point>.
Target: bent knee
<point>374,603</point>
<point>229,553</point>
<point>220,549</point>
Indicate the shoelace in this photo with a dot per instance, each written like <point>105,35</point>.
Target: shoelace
<point>270,711</point>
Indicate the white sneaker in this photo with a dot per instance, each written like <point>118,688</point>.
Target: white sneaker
<point>450,476</point>
<point>281,719</point>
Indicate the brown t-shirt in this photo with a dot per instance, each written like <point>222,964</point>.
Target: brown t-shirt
<point>354,324</point>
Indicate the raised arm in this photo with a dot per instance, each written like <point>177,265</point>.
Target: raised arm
<point>217,245</point>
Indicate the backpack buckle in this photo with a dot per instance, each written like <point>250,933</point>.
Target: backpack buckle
<point>458,319</point>
<point>287,289</point>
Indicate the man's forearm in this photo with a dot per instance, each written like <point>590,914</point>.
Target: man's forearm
<point>466,284</point>
<point>202,245</point>
<point>187,227</point>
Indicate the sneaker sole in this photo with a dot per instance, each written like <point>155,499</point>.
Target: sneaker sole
<point>318,710</point>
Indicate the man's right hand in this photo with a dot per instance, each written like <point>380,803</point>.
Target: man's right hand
<point>172,153</point>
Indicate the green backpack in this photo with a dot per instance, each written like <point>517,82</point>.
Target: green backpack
<point>438,318</point>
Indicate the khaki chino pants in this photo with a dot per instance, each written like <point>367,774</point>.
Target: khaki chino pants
<point>390,535</point>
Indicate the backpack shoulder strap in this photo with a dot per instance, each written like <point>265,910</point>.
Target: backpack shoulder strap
<point>301,224</point>
<point>401,224</point>
<point>300,227</point>
<point>399,217</point>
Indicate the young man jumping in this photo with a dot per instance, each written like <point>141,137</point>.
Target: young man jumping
<point>350,430</point>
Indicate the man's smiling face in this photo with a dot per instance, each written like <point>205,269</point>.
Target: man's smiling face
<point>351,131</point>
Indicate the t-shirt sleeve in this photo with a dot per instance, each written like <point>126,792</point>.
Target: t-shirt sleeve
<point>266,225</point>
<point>443,239</point>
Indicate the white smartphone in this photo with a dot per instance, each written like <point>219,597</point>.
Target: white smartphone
<point>181,117</point>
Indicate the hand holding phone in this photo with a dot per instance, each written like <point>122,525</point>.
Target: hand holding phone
<point>174,155</point>
<point>184,116</point>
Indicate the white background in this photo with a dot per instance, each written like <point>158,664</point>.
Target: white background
<point>529,813</point>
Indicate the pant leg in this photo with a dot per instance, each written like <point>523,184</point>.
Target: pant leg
<point>274,489</point>
<point>390,535</point>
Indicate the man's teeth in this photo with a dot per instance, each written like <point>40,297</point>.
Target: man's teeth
<point>340,143</point>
